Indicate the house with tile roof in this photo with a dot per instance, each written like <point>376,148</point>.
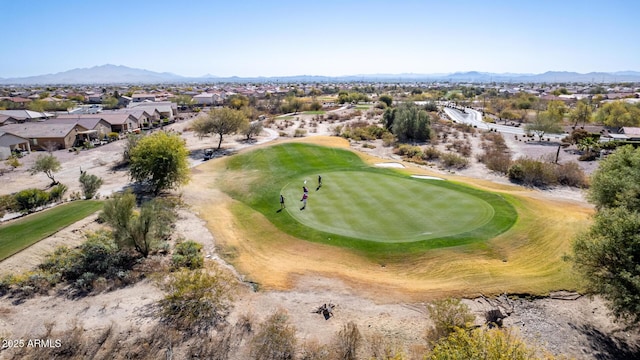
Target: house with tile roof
<point>45,135</point>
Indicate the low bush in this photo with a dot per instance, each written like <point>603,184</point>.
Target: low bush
<point>431,153</point>
<point>496,160</point>
<point>57,192</point>
<point>29,199</point>
<point>409,151</point>
<point>90,184</point>
<point>533,172</point>
<point>188,255</point>
<point>451,160</point>
<point>570,174</point>
<point>482,344</point>
<point>275,339</point>
<point>447,315</point>
<point>198,299</point>
<point>300,133</point>
<point>347,341</point>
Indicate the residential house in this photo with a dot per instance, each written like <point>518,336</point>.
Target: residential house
<point>203,99</point>
<point>122,122</point>
<point>10,142</point>
<point>96,98</point>
<point>167,109</point>
<point>46,135</point>
<point>143,97</point>
<point>7,119</point>
<point>632,133</point>
<point>97,127</point>
<point>26,115</point>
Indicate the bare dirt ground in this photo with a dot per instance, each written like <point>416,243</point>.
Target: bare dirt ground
<point>578,328</point>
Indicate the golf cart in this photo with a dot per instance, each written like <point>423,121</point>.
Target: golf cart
<point>208,154</point>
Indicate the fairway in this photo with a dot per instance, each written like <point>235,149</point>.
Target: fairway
<point>384,208</point>
<point>27,231</point>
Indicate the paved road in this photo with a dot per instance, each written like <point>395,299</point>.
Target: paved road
<point>474,117</point>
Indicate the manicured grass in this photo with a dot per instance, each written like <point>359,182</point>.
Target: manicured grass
<point>318,112</point>
<point>285,117</point>
<point>363,107</point>
<point>27,231</point>
<point>377,211</point>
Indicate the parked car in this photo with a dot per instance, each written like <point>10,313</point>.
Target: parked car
<point>208,154</point>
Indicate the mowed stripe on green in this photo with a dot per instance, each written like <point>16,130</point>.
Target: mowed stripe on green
<point>385,208</point>
<point>27,231</point>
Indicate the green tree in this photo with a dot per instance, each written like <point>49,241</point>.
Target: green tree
<point>48,164</point>
<point>608,258</point>
<point>252,129</point>
<point>618,114</point>
<point>110,102</point>
<point>608,254</point>
<point>582,113</point>
<point>222,122</point>
<point>411,124</point>
<point>548,121</point>
<point>387,99</point>
<point>160,161</point>
<point>90,184</point>
<point>616,182</point>
<point>237,101</point>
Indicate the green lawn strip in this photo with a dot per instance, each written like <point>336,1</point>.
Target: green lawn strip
<point>27,231</point>
<point>282,164</point>
<point>314,112</point>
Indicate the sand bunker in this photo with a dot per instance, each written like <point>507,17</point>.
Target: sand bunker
<point>426,177</point>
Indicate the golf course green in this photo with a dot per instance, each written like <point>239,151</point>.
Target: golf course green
<point>385,208</point>
<point>375,210</point>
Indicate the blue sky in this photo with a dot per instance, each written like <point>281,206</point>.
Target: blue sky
<point>279,38</point>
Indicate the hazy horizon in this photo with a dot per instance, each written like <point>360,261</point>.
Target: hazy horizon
<point>287,38</point>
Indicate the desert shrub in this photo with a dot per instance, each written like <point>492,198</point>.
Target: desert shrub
<point>7,203</point>
<point>300,133</point>
<point>381,347</point>
<point>89,184</point>
<point>496,139</point>
<point>29,199</point>
<point>496,160</point>
<point>314,350</point>
<point>57,192</point>
<point>451,160</point>
<point>368,146</point>
<point>533,172</point>
<point>462,147</point>
<point>275,339</point>
<point>197,299</point>
<point>113,136</point>
<point>388,139</point>
<point>431,153</point>
<point>447,315</point>
<point>13,162</point>
<point>482,344</point>
<point>188,254</point>
<point>347,341</point>
<point>409,151</point>
<point>571,174</point>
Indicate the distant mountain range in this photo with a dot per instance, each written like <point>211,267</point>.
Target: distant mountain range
<point>118,74</point>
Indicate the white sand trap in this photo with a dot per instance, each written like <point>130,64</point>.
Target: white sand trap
<point>390,165</point>
<point>426,177</point>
